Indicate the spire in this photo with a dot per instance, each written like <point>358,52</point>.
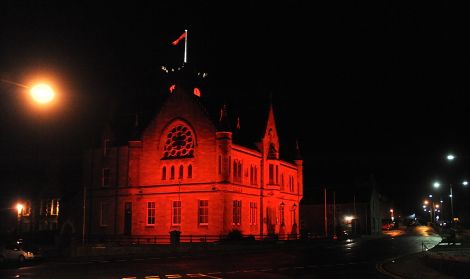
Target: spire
<point>224,124</point>
<point>298,156</point>
<point>135,135</point>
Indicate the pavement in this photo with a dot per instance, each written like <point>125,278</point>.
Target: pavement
<point>448,259</point>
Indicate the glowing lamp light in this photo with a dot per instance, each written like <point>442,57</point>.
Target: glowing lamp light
<point>426,202</point>
<point>19,208</point>
<point>465,183</point>
<point>42,93</point>
<point>348,218</point>
<point>437,184</point>
<point>450,157</point>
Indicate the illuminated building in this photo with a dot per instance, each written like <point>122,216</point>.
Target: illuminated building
<point>186,172</point>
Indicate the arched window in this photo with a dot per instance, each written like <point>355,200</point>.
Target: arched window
<point>181,172</point>
<point>256,176</point>
<point>164,173</point>
<point>235,168</point>
<point>190,171</point>
<point>172,172</point>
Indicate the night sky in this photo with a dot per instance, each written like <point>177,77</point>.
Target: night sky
<point>367,88</point>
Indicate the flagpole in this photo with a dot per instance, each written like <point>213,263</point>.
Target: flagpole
<point>186,46</point>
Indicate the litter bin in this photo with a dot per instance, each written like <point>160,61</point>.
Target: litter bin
<point>175,237</point>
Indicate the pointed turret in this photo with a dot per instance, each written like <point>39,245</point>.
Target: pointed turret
<point>224,123</point>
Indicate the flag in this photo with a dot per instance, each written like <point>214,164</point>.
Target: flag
<point>175,42</point>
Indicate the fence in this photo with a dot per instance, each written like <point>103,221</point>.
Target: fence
<point>167,239</point>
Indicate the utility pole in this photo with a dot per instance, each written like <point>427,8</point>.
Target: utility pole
<point>326,213</point>
<point>334,216</point>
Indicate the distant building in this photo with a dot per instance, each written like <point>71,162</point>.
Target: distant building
<point>188,172</point>
<point>354,210</point>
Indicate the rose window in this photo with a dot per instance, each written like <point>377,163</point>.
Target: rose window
<point>179,143</point>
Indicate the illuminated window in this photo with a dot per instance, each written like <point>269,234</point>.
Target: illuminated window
<point>181,172</point>
<point>253,213</point>
<point>54,207</point>
<point>164,173</point>
<point>203,212</point>
<point>104,214</point>
<point>179,143</point>
<point>172,172</point>
<point>176,213</point>
<point>105,177</point>
<point>271,174</point>
<point>237,212</point>
<point>26,211</point>
<point>151,213</point>
<point>190,171</point>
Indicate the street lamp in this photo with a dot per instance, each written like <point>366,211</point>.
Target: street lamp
<point>41,93</point>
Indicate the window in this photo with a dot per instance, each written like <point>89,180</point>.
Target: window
<point>106,143</point>
<point>104,214</point>
<point>256,176</point>
<point>190,171</point>
<point>277,174</point>
<point>271,174</point>
<point>229,164</point>
<point>291,183</point>
<point>105,177</point>
<point>172,172</point>
<point>176,213</point>
<point>253,213</point>
<point>181,172</point>
<point>235,170</point>
<point>251,176</point>
<point>239,171</point>
<point>151,213</point>
<point>54,207</point>
<point>220,164</point>
<point>281,213</point>
<point>282,182</point>
<point>179,143</point>
<point>203,212</point>
<point>237,212</point>
<point>164,173</point>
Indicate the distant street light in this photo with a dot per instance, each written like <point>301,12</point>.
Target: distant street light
<point>450,157</point>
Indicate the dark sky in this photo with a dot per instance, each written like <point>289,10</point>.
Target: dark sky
<point>366,87</point>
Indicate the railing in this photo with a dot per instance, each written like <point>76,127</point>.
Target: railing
<point>167,239</point>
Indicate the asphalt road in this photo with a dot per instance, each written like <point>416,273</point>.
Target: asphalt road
<point>339,259</point>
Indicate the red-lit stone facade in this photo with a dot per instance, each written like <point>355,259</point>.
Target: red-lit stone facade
<point>185,174</point>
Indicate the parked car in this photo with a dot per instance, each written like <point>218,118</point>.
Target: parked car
<point>15,252</point>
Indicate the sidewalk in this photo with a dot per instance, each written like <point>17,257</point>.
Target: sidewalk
<point>442,261</point>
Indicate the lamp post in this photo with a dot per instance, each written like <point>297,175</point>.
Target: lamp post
<point>451,196</point>
<point>19,209</point>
